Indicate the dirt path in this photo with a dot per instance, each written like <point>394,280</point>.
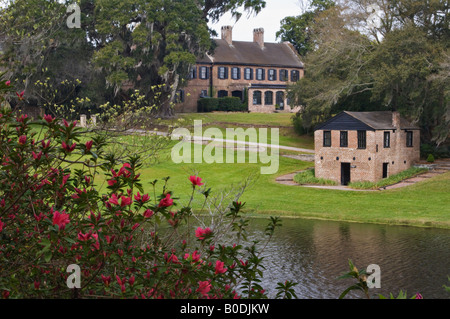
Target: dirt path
<point>439,167</point>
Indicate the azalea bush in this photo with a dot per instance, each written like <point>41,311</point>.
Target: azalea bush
<point>126,242</point>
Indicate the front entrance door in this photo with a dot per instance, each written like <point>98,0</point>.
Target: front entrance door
<point>345,173</point>
<point>385,170</point>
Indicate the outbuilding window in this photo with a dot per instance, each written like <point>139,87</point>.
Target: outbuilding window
<point>387,139</point>
<point>409,139</point>
<point>361,139</point>
<point>344,139</point>
<point>326,138</point>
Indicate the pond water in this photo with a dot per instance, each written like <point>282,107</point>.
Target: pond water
<point>314,253</point>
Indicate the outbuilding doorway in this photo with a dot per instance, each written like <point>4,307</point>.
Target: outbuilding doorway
<point>385,170</point>
<point>345,173</point>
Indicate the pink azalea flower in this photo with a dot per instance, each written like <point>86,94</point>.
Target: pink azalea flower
<point>84,237</point>
<point>20,95</point>
<point>60,219</point>
<point>166,202</point>
<point>196,181</point>
<point>106,280</point>
<point>148,213</point>
<point>67,147</point>
<point>219,267</point>
<point>48,118</point>
<point>1,225</point>
<point>89,145</point>
<point>8,83</point>
<point>36,156</point>
<point>125,201</point>
<point>203,288</point>
<point>201,234</point>
<point>114,200</point>
<point>22,139</point>
<point>145,198</point>
<point>195,256</point>
<point>131,280</point>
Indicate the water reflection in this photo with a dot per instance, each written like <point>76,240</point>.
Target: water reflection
<point>314,253</point>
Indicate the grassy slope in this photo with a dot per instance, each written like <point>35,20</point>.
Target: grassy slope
<point>423,204</point>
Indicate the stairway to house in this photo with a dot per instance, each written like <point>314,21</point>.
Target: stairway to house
<point>442,164</point>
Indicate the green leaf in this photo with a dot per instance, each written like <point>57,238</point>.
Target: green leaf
<point>47,256</point>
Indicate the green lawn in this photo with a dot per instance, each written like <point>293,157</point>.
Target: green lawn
<point>269,119</point>
<point>423,204</point>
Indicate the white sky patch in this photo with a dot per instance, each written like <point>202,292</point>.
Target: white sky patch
<point>269,19</point>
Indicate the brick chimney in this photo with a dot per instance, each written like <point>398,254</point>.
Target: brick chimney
<point>258,37</point>
<point>227,34</point>
<point>396,119</point>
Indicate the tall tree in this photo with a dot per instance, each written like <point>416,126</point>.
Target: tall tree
<point>149,43</point>
<point>137,44</point>
<point>400,63</point>
<point>39,51</point>
<point>297,29</point>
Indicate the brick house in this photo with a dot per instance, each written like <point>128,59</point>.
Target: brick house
<point>257,71</point>
<point>365,146</point>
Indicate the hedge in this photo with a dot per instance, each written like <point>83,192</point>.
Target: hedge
<point>224,104</point>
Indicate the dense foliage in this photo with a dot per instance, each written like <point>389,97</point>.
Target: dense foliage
<point>223,104</point>
<point>55,216</point>
<point>121,45</point>
<point>396,58</point>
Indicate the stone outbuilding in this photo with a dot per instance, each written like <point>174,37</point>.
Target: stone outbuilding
<point>365,146</point>
<point>255,71</point>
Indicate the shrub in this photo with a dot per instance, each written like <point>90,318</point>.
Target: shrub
<point>55,217</point>
<point>126,243</point>
<point>298,124</point>
<point>230,104</point>
<point>430,158</point>
<point>391,180</point>
<point>308,177</point>
<point>224,104</point>
<point>208,105</point>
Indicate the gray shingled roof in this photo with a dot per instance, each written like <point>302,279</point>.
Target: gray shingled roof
<point>380,120</point>
<point>250,53</point>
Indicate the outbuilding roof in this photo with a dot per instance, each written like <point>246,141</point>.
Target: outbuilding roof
<point>378,120</point>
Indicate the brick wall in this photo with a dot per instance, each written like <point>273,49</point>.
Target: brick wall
<point>366,164</point>
<point>195,86</point>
